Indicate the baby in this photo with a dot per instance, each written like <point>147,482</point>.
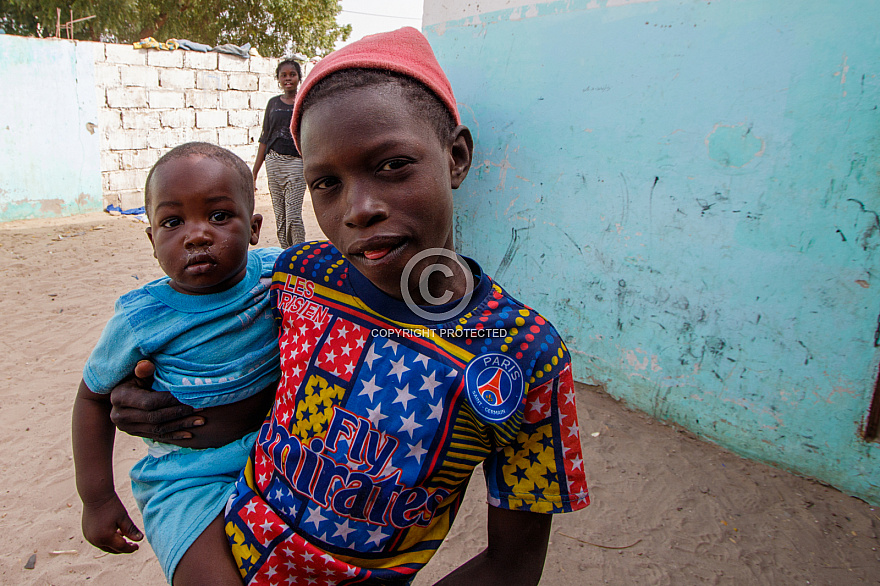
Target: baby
<point>208,328</point>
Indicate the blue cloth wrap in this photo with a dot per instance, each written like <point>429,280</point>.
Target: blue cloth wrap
<point>180,493</point>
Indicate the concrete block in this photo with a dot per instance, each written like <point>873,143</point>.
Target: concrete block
<point>125,54</point>
<point>245,118</point>
<point>100,97</point>
<point>121,180</point>
<point>204,135</point>
<point>268,84</point>
<point>129,97</point>
<point>247,153</point>
<point>123,140</point>
<point>141,159</point>
<point>247,82</point>
<point>164,138</point>
<point>109,120</point>
<point>110,160</point>
<point>226,62</point>
<point>138,75</point>
<point>165,58</point>
<point>130,198</point>
<point>197,60</point>
<point>179,118</point>
<point>140,119</point>
<point>229,136</point>
<point>234,100</point>
<point>260,99</point>
<point>262,65</point>
<point>107,75</point>
<point>178,79</point>
<point>254,133</point>
<point>202,99</point>
<point>211,80</point>
<point>211,118</point>
<point>166,99</point>
<point>176,136</point>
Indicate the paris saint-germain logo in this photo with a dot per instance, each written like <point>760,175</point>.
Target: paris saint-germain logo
<point>494,385</point>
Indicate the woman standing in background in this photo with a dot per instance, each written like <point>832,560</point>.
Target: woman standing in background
<point>283,162</point>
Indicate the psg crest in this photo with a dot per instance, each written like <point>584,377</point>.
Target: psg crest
<point>494,385</point>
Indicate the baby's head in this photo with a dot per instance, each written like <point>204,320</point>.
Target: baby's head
<point>199,199</point>
<point>383,148</point>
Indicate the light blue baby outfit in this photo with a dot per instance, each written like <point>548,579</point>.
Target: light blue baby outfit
<point>208,350</point>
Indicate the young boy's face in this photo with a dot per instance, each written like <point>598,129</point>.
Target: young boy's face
<point>381,182</point>
<point>200,224</point>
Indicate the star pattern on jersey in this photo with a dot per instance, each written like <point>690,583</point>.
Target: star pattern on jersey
<point>290,560</point>
<point>571,440</point>
<point>538,407</point>
<point>263,468</point>
<point>400,409</point>
<point>314,408</point>
<point>297,341</point>
<point>342,349</point>
<point>253,532</point>
<point>407,403</point>
<point>530,471</point>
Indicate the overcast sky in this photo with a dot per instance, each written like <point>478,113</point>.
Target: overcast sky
<point>375,16</point>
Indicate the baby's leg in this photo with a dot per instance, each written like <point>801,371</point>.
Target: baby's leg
<point>209,560</point>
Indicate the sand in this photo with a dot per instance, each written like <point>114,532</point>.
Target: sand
<point>667,508</point>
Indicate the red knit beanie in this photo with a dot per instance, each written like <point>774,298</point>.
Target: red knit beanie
<point>405,51</point>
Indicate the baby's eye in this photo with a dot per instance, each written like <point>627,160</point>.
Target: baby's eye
<point>220,216</point>
<point>395,164</point>
<point>170,222</point>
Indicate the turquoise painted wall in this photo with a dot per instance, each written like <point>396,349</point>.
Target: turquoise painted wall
<point>690,191</point>
<point>48,119</point>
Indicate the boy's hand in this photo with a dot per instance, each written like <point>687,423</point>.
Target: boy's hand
<point>138,410</point>
<point>107,525</point>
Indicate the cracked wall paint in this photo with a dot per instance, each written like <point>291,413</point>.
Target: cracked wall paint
<point>691,193</point>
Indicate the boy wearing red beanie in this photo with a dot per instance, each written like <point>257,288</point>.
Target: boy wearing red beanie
<point>404,366</point>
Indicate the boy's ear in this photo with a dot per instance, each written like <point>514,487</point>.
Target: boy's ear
<point>256,224</point>
<point>461,154</point>
<point>149,232</point>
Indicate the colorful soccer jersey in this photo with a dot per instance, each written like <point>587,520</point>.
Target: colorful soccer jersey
<point>380,419</point>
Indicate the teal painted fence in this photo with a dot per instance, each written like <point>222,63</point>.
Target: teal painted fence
<point>48,119</point>
<point>690,191</point>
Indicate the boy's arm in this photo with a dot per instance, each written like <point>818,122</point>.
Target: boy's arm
<point>515,554</point>
<point>105,521</point>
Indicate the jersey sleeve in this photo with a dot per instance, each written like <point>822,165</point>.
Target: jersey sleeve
<point>115,355</point>
<point>542,470</point>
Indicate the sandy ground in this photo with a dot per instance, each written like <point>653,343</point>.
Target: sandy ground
<point>667,508</point>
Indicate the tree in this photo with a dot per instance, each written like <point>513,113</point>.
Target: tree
<point>274,27</point>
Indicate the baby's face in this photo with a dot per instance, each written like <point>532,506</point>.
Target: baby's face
<point>381,182</point>
<point>200,225</point>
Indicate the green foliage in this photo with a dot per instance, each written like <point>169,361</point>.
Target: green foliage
<point>274,27</point>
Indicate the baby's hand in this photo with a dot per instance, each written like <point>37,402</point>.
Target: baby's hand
<point>106,526</point>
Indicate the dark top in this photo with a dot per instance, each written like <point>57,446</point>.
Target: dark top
<point>276,128</point>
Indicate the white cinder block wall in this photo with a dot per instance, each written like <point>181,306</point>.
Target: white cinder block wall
<point>150,101</point>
